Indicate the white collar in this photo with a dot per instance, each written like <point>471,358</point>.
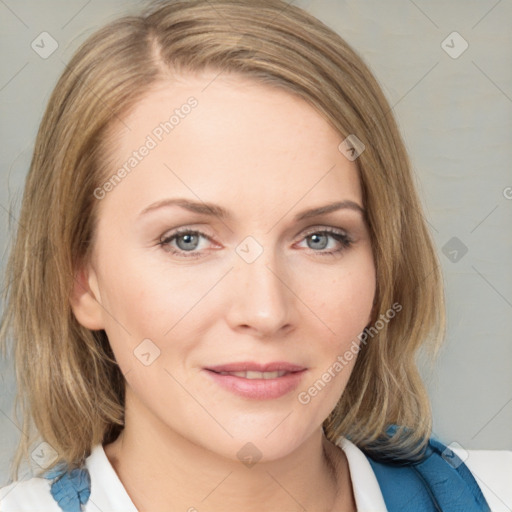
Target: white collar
<point>107,491</point>
<point>109,494</point>
<point>366,488</point>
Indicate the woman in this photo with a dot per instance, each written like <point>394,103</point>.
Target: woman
<point>222,306</point>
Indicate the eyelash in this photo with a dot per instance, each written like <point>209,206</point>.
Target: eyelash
<point>339,236</point>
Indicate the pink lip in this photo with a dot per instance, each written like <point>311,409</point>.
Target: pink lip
<point>258,389</point>
<point>249,366</point>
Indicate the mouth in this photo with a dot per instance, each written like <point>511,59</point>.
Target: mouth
<point>253,367</point>
<point>257,381</point>
<point>255,375</point>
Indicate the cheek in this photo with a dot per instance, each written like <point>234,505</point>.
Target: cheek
<point>147,297</point>
<point>346,310</point>
<point>153,314</point>
<point>345,302</point>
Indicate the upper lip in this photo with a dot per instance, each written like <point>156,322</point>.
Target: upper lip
<point>250,366</point>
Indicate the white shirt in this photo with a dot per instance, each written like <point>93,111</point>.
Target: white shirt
<point>492,471</point>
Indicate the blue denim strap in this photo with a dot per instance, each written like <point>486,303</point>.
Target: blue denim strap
<point>70,489</point>
<point>440,482</point>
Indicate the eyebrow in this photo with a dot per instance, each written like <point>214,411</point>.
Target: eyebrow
<point>218,211</point>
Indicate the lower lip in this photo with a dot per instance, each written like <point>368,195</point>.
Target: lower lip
<point>258,389</point>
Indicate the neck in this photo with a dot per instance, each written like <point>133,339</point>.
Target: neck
<point>160,468</point>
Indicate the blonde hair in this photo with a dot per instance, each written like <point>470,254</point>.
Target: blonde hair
<point>69,384</point>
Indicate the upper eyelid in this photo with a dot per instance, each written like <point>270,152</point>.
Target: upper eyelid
<point>315,229</point>
<point>304,233</point>
<point>311,229</point>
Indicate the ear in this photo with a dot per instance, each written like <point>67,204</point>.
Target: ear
<point>85,299</point>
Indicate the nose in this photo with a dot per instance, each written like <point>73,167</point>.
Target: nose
<point>262,301</point>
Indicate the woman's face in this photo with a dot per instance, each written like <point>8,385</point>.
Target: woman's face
<point>263,283</point>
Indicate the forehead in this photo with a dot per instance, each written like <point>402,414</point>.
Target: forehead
<point>228,138</point>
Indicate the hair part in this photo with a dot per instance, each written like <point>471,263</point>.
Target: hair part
<point>61,367</point>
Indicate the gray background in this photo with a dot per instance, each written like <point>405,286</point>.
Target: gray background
<point>456,118</point>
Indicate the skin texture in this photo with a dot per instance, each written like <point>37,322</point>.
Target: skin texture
<point>265,155</point>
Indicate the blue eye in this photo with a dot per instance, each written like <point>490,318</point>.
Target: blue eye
<point>188,242</point>
<point>184,242</point>
<point>320,241</point>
